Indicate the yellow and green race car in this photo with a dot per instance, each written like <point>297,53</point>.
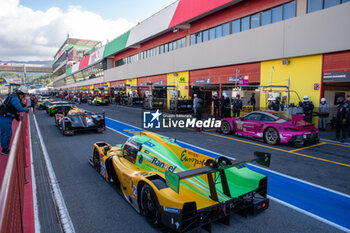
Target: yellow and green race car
<point>98,101</point>
<point>179,188</point>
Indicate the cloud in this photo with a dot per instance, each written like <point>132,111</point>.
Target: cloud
<point>37,35</point>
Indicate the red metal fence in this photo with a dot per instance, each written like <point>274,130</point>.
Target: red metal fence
<point>12,188</point>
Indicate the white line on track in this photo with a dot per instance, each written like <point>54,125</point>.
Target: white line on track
<point>310,214</point>
<point>65,220</point>
<point>35,200</point>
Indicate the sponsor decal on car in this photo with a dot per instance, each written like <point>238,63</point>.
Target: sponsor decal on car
<point>163,165</point>
<point>172,210</point>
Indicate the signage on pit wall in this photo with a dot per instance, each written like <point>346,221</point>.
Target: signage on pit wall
<point>336,76</point>
<point>203,81</point>
<point>317,86</point>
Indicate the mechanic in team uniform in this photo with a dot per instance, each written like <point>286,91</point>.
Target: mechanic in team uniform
<point>340,120</point>
<point>225,106</point>
<point>275,105</point>
<point>237,106</point>
<point>323,111</point>
<point>195,102</point>
<point>216,102</point>
<point>9,110</point>
<point>347,114</point>
<point>307,106</point>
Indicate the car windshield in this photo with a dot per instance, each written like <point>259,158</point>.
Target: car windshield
<point>283,115</point>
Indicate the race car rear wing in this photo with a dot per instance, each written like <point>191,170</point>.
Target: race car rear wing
<point>212,166</point>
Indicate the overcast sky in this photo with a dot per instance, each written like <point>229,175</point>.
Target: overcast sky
<point>35,29</point>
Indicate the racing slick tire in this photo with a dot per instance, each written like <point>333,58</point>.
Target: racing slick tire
<point>271,136</point>
<point>150,206</point>
<point>96,160</point>
<point>225,127</point>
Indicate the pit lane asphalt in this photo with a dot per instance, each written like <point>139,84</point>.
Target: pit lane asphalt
<point>95,206</point>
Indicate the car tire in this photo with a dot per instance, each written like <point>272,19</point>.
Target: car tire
<point>271,136</point>
<point>225,127</point>
<point>96,160</point>
<point>150,206</point>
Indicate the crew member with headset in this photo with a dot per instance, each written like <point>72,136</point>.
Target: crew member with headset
<point>307,106</point>
<point>9,110</point>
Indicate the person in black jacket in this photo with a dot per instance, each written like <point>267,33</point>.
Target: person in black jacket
<point>340,120</point>
<point>237,106</point>
<point>216,101</point>
<point>307,106</point>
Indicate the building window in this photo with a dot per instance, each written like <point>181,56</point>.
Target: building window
<point>212,34</point>
<point>255,21</point>
<point>245,23</point>
<point>170,47</point>
<point>236,26</point>
<point>166,48</point>
<point>225,29</point>
<point>265,17</point>
<point>193,39</point>
<point>199,37</point>
<point>277,14</point>
<point>205,35</point>
<point>330,3</point>
<point>174,45</point>
<point>314,5</point>
<point>289,10</point>
<point>218,31</point>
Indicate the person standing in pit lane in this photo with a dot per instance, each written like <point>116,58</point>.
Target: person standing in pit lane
<point>10,110</point>
<point>323,110</point>
<point>340,120</point>
<point>307,106</point>
<point>216,102</point>
<point>347,114</point>
<point>237,106</point>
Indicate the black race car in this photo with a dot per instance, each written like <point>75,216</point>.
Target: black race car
<point>78,119</point>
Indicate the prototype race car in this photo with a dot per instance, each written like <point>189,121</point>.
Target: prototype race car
<point>273,127</point>
<point>78,120</point>
<point>98,101</point>
<point>177,187</point>
<point>43,102</point>
<point>59,107</point>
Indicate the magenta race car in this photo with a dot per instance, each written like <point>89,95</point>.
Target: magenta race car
<point>273,127</point>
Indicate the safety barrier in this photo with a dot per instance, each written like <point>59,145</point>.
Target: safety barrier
<point>12,188</point>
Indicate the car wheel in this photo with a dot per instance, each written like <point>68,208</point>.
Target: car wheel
<point>225,127</point>
<point>150,205</point>
<point>271,136</point>
<point>96,160</point>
